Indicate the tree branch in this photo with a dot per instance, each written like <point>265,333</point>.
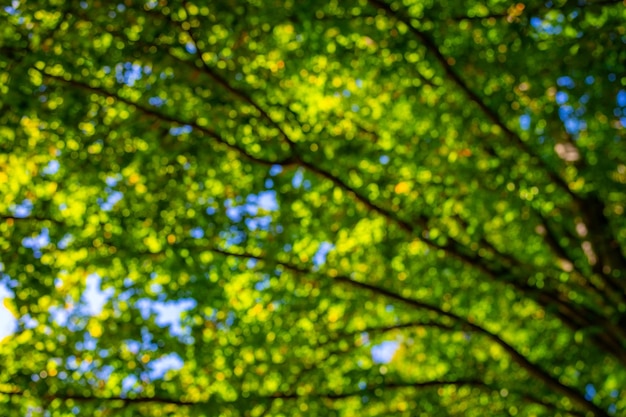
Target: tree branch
<point>171,119</point>
<point>279,395</point>
<point>221,81</point>
<point>452,75</point>
<point>30,218</point>
<point>531,368</point>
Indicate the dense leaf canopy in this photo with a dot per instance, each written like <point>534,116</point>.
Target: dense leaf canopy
<point>359,207</point>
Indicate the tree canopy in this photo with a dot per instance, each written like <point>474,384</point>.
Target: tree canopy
<point>359,207</point>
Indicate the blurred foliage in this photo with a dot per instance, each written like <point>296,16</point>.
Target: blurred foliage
<point>314,178</point>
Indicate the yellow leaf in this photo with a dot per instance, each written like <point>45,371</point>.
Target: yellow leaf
<point>10,306</point>
<point>45,302</point>
<point>51,187</point>
<point>152,243</point>
<point>95,329</point>
<point>402,187</point>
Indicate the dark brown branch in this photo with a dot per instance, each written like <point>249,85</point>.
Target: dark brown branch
<point>603,238</point>
<point>280,395</point>
<point>221,81</point>
<point>171,119</point>
<point>30,218</point>
<point>453,76</point>
<point>532,368</point>
<point>551,239</point>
